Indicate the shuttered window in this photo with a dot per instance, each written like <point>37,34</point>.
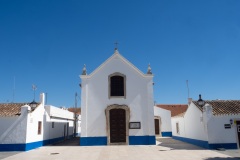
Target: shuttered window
<point>39,127</point>
<point>177,128</point>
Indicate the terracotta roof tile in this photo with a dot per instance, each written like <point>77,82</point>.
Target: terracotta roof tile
<point>11,109</point>
<point>222,107</point>
<point>175,109</point>
<point>75,110</point>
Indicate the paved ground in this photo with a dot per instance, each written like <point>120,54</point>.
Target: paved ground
<point>166,149</point>
<point>71,142</point>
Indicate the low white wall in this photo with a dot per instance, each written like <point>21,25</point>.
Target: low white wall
<point>16,132</point>
<point>6,122</point>
<point>165,116</point>
<point>217,132</point>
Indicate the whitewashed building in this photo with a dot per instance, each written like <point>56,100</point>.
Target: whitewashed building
<point>117,104</point>
<point>215,125</point>
<point>24,128</point>
<point>162,121</point>
<point>162,117</point>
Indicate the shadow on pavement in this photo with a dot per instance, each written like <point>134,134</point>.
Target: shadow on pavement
<point>68,142</point>
<point>7,154</point>
<point>175,144</point>
<point>222,158</point>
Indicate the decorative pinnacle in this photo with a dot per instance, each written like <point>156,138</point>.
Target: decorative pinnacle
<point>84,71</point>
<point>149,69</point>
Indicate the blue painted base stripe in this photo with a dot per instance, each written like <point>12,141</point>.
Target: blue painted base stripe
<point>133,140</point>
<point>142,140</point>
<point>196,142</point>
<point>205,144</point>
<point>166,134</point>
<point>224,145</point>
<point>93,141</point>
<point>12,147</point>
<point>29,146</point>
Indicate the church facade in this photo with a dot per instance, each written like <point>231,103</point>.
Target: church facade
<point>117,104</point>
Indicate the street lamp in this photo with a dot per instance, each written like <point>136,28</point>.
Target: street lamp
<point>33,104</point>
<point>200,102</point>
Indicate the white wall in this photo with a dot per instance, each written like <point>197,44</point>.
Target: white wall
<point>32,124</point>
<point>165,116</point>
<point>60,128</point>
<point>59,112</point>
<point>217,132</point>
<point>180,121</point>
<point>16,132</point>
<point>5,122</point>
<point>79,125</point>
<point>191,125</point>
<point>139,98</point>
<point>24,128</point>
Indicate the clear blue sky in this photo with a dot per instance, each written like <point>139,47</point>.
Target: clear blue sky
<point>46,42</point>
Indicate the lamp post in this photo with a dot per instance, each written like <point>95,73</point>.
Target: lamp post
<point>200,102</point>
<point>75,116</point>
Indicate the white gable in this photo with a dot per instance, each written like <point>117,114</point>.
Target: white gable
<point>115,58</point>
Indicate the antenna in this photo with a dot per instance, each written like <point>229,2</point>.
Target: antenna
<point>46,98</point>
<point>187,87</point>
<point>13,89</point>
<point>34,88</point>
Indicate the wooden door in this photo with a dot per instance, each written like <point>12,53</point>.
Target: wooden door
<point>238,131</point>
<point>117,126</point>
<point>156,121</point>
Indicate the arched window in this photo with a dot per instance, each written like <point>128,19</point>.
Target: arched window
<point>117,85</point>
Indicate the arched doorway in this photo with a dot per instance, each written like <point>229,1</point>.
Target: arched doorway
<point>117,124</point>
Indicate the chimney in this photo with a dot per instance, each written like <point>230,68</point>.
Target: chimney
<point>42,99</point>
<point>189,100</point>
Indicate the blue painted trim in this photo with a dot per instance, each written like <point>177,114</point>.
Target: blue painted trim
<point>223,145</point>
<point>142,140</point>
<point>205,144</point>
<point>93,141</point>
<point>166,134</point>
<point>28,146</point>
<point>12,147</point>
<point>196,142</point>
<point>133,140</point>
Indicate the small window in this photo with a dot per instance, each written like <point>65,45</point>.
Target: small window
<point>39,127</point>
<point>52,124</point>
<point>177,128</point>
<point>117,85</point>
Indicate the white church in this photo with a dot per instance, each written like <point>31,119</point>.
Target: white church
<point>117,104</point>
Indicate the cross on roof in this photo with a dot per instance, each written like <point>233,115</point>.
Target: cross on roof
<point>116,45</point>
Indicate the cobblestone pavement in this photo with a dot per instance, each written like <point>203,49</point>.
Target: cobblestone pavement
<point>166,149</point>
